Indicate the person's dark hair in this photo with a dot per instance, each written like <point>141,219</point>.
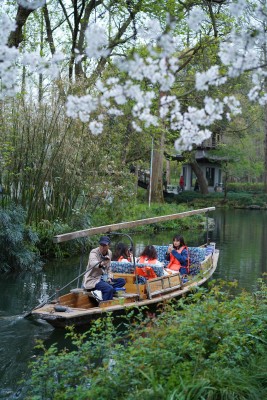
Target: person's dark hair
<point>150,252</point>
<point>180,238</point>
<point>121,250</point>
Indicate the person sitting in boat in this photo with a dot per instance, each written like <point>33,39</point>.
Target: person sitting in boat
<point>177,254</point>
<point>148,256</point>
<point>122,253</point>
<point>99,275</point>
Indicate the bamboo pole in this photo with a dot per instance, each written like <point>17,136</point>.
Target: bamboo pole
<point>123,225</point>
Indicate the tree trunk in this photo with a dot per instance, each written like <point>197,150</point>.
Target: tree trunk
<point>16,37</point>
<point>40,84</point>
<point>203,185</point>
<point>49,33</point>
<point>168,172</point>
<point>265,123</point>
<point>157,169</point>
<point>265,148</point>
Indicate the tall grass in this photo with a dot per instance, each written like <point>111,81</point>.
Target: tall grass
<point>52,166</point>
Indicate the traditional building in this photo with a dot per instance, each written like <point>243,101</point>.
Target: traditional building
<point>210,164</point>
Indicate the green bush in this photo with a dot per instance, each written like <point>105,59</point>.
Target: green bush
<point>18,249</point>
<point>245,187</point>
<point>47,230</point>
<point>136,211</point>
<point>209,346</point>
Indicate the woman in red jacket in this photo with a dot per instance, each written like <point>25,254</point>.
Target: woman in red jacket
<point>177,254</point>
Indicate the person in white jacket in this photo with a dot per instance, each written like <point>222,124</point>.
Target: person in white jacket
<point>99,275</point>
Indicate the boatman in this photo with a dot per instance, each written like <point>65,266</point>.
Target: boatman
<point>99,275</point>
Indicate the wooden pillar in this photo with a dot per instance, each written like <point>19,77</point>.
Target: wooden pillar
<point>168,171</point>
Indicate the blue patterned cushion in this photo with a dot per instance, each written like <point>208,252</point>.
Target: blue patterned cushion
<point>128,268</point>
<point>122,267</point>
<point>196,254</point>
<point>161,251</point>
<point>194,269</point>
<point>209,249</point>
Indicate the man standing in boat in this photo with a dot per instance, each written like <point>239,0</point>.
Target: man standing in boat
<point>99,275</point>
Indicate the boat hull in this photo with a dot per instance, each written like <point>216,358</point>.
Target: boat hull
<point>80,310</point>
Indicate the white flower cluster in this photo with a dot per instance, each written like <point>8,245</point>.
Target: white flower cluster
<point>81,107</point>
<point>192,128</point>
<point>149,82</point>
<point>113,96</point>
<point>196,17</point>
<point>236,8</point>
<point>97,41</point>
<point>41,65</point>
<point>8,57</point>
<point>239,53</point>
<point>147,77</point>
<point>31,4</point>
<point>209,77</point>
<point>149,29</point>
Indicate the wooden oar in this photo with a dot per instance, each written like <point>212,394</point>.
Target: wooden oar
<point>28,313</point>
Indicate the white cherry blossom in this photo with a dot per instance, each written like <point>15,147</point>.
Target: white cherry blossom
<point>149,82</point>
<point>196,17</point>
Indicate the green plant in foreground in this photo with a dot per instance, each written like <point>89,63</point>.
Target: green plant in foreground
<point>210,346</point>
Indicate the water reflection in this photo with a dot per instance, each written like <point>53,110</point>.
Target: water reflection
<point>241,236</point>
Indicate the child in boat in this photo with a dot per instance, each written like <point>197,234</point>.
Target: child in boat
<point>122,253</point>
<point>149,256</point>
<point>177,254</point>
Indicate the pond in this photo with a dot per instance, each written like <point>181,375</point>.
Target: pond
<point>239,234</point>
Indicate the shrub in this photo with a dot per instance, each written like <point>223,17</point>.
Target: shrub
<point>47,230</point>
<point>208,346</point>
<point>245,187</point>
<point>18,249</point>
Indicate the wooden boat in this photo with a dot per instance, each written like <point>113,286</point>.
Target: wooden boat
<point>79,306</point>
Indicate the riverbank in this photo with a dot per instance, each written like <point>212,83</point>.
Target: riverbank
<point>139,209</point>
<point>242,200</point>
